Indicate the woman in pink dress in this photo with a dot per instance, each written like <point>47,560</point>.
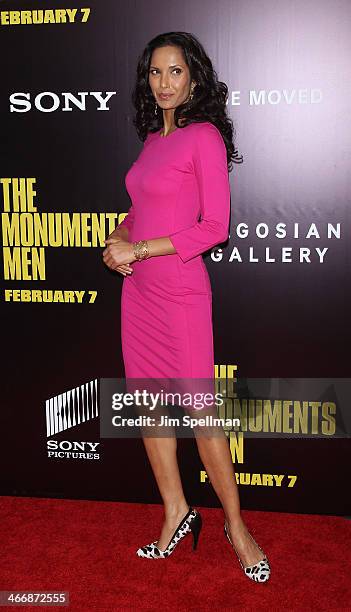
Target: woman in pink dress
<point>180,193</point>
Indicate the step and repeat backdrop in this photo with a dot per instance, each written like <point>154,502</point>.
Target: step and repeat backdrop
<point>281,284</point>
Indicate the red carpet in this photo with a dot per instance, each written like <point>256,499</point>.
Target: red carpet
<point>88,548</point>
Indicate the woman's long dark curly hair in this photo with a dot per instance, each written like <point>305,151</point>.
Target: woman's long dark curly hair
<point>209,100</point>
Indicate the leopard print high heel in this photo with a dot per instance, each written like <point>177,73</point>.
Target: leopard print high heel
<point>260,571</point>
<point>191,523</point>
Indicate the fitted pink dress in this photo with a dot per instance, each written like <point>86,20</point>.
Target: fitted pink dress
<point>179,187</point>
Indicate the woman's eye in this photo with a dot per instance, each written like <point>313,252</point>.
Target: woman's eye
<point>153,70</point>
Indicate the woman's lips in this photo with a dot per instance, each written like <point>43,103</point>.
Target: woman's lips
<point>165,96</point>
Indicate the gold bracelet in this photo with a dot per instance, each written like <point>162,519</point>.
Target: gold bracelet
<point>141,250</point>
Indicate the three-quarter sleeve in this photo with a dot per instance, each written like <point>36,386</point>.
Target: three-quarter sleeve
<point>128,220</point>
<point>211,171</point>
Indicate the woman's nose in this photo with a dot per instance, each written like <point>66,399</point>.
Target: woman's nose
<point>164,81</point>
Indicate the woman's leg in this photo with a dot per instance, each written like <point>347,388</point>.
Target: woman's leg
<point>162,454</point>
<point>216,457</point>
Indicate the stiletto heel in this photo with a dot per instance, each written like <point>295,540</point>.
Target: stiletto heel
<point>191,523</point>
<point>260,571</point>
<point>195,527</point>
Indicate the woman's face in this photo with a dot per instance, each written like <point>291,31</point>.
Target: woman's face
<point>169,77</point>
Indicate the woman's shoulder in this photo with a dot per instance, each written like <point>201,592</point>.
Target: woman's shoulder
<point>205,127</point>
<point>200,134</point>
<point>194,126</point>
<point>150,136</point>
<point>207,138</point>
<point>205,133</point>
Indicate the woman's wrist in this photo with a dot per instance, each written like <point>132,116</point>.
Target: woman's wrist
<point>141,250</point>
<point>120,232</point>
<point>154,247</point>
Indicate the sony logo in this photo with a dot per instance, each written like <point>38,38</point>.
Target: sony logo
<point>68,445</point>
<point>48,101</point>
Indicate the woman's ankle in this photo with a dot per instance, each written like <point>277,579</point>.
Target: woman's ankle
<point>235,522</point>
<point>175,510</point>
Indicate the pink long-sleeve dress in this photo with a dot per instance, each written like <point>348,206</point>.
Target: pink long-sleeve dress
<point>179,187</point>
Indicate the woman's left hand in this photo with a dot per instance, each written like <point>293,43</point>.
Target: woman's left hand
<point>118,252</point>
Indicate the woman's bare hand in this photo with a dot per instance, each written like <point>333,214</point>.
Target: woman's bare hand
<point>118,255</point>
<point>125,270</point>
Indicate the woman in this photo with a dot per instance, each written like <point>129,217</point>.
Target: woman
<point>166,307</point>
